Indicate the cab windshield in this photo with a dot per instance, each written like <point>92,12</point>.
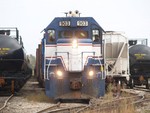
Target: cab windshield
<point>73,34</point>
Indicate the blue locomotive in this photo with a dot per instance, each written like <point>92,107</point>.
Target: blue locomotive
<point>69,60</point>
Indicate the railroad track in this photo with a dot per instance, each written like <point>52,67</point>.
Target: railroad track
<point>138,91</point>
<point>4,102</point>
<point>142,91</point>
<point>63,108</point>
<point>115,105</point>
<point>112,106</point>
<point>95,106</point>
<point>140,88</point>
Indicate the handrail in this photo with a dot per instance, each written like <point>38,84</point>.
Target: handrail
<point>48,69</point>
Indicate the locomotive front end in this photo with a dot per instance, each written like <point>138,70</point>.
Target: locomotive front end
<point>72,58</point>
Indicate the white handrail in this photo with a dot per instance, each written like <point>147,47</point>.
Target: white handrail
<point>103,69</point>
<point>44,58</point>
<point>48,69</point>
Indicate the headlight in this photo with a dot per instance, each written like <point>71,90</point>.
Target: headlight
<point>59,74</point>
<point>91,73</point>
<point>74,43</point>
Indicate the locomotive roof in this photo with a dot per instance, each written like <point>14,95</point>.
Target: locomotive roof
<point>55,23</point>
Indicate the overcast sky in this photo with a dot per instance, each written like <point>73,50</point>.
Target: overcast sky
<point>31,16</point>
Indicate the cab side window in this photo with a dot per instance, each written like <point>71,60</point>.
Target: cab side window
<point>95,35</point>
<point>51,35</point>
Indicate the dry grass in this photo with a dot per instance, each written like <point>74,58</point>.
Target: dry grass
<point>39,97</point>
<point>124,106</point>
<point>109,94</point>
<point>147,111</point>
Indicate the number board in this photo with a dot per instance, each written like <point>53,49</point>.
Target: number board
<point>82,23</point>
<point>64,23</point>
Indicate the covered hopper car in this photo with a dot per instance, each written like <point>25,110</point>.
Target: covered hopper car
<point>116,56</point>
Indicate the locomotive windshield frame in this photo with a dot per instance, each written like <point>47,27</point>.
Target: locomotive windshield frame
<point>69,34</point>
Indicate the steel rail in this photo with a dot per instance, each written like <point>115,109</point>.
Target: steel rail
<point>5,103</point>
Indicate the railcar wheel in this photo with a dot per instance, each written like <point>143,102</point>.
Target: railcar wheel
<point>131,83</point>
<point>148,84</point>
<point>124,85</point>
<point>18,85</point>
